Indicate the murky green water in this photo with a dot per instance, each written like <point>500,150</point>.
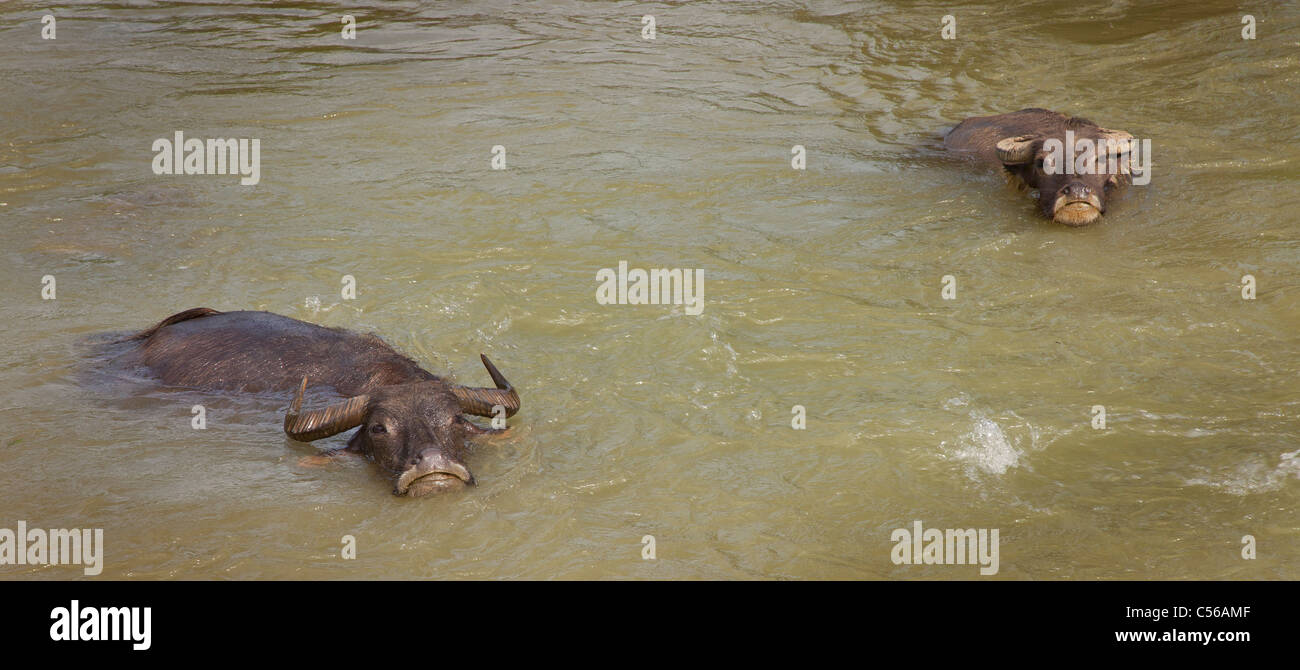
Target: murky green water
<point>822,287</point>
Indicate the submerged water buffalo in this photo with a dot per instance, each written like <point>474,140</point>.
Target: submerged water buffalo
<point>412,423</point>
<point>1072,185</point>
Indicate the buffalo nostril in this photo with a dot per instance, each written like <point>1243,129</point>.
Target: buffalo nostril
<point>1078,190</point>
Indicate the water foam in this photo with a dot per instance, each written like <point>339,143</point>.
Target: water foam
<point>985,449</point>
<point>1255,477</point>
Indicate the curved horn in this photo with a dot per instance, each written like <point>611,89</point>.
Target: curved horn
<point>1117,135</point>
<point>479,401</point>
<point>1117,141</point>
<point>1016,150</point>
<point>325,422</point>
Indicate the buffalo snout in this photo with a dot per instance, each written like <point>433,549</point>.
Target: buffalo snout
<point>433,471</point>
<point>1077,203</point>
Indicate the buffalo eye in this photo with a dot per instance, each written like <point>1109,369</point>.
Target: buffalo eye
<point>378,428</point>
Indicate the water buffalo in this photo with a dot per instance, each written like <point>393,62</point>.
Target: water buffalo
<point>412,423</point>
<point>1073,175</point>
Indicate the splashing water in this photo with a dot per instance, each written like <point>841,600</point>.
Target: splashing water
<point>1255,477</point>
<point>985,449</point>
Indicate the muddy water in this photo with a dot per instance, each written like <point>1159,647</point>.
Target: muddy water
<point>822,286</point>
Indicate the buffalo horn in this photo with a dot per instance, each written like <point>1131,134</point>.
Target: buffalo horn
<point>324,422</point>
<point>1016,150</point>
<point>479,401</point>
<point>1123,144</point>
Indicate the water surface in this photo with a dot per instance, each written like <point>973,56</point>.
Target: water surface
<point>822,286</point>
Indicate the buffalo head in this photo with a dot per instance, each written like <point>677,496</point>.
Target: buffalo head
<point>417,432</point>
<point>1073,173</point>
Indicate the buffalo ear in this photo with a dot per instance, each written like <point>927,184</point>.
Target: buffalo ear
<point>475,429</point>
<point>1016,150</point>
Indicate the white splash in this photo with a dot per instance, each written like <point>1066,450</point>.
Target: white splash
<point>1255,477</point>
<point>985,449</point>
